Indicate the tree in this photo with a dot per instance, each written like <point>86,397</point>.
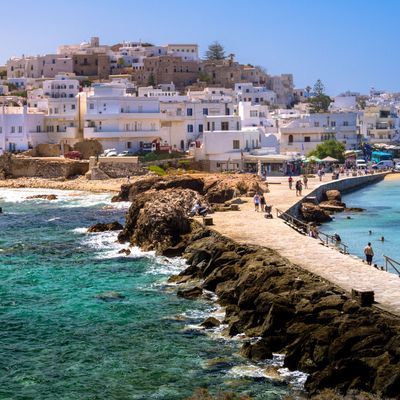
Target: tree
<point>215,52</point>
<point>151,81</point>
<point>331,148</point>
<point>320,102</point>
<point>319,88</point>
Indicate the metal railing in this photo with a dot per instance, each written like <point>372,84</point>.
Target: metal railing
<point>304,228</point>
<point>393,263</point>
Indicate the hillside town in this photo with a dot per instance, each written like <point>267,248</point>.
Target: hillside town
<point>135,97</point>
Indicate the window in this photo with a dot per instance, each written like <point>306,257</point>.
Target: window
<point>72,106</point>
<point>345,123</point>
<point>253,113</point>
<point>290,139</point>
<point>153,126</point>
<point>1,129</point>
<point>227,111</point>
<point>128,145</point>
<point>333,124</point>
<point>13,129</point>
<point>224,126</point>
<point>189,112</point>
<point>205,111</point>
<point>236,144</point>
<point>201,128</point>
<point>190,128</point>
<point>307,139</point>
<point>91,106</point>
<point>20,129</point>
<point>316,124</point>
<point>56,111</point>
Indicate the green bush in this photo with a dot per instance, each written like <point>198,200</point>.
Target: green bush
<point>184,164</point>
<point>157,170</point>
<point>157,156</point>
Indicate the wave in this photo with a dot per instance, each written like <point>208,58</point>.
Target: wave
<point>65,198</point>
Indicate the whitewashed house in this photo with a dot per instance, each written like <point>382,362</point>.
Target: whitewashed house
<point>304,134</point>
<point>20,128</point>
<point>254,94</point>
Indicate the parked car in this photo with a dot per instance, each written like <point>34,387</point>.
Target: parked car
<point>126,153</point>
<point>397,167</point>
<point>107,151</point>
<point>112,153</point>
<point>73,155</point>
<point>384,164</point>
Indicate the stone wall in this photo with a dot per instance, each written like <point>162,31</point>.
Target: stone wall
<point>15,167</point>
<point>344,185</point>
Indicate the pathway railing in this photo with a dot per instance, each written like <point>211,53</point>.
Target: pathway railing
<point>393,263</point>
<point>304,228</point>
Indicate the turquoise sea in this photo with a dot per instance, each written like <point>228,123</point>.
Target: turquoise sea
<point>381,202</point>
<point>59,341</point>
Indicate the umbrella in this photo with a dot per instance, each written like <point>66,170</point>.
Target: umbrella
<point>330,159</point>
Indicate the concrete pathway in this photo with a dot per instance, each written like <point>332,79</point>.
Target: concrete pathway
<point>346,271</point>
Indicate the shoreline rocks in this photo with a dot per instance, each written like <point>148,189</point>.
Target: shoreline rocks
<point>318,327</point>
<point>103,227</point>
<point>284,309</point>
<point>43,196</point>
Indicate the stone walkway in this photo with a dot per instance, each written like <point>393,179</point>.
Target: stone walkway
<point>346,271</point>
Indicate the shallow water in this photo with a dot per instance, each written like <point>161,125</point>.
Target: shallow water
<point>58,340</point>
<point>381,202</point>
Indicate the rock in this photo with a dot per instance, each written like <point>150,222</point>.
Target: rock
<point>314,213</point>
<point>110,296</point>
<point>354,209</point>
<point>102,227</point>
<point>211,322</point>
<point>333,195</point>
<point>43,196</point>
<point>191,293</point>
<point>328,206</point>
<point>125,251</point>
<point>257,351</point>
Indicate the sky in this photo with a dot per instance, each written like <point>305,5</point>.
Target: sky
<point>348,44</point>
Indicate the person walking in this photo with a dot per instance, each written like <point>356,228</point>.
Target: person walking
<point>319,173</point>
<point>290,180</point>
<point>305,181</point>
<point>256,200</point>
<point>262,202</point>
<point>369,253</point>
<point>299,187</point>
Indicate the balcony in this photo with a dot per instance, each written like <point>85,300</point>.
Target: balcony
<point>94,133</point>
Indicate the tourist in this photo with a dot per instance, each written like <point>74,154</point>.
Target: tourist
<point>369,232</point>
<point>299,187</point>
<point>305,180</point>
<point>262,202</point>
<point>369,253</point>
<point>320,173</point>
<point>382,239</point>
<point>290,180</point>
<point>337,237</point>
<point>128,179</point>
<point>256,200</point>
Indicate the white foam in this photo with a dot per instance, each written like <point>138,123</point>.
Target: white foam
<point>53,219</point>
<point>79,230</point>
<point>65,198</point>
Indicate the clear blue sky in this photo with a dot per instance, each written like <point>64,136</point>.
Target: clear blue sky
<point>348,44</point>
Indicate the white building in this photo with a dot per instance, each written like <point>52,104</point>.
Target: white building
<point>224,150</point>
<point>304,134</point>
<point>344,103</point>
<point>379,124</point>
<point>254,94</point>
<point>125,122</point>
<point>20,128</point>
<point>3,90</point>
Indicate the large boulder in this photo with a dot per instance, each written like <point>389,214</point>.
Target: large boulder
<point>314,213</point>
<point>43,196</point>
<point>157,220</point>
<point>333,195</point>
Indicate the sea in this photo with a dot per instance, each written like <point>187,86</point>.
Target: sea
<point>60,340</point>
<point>381,216</point>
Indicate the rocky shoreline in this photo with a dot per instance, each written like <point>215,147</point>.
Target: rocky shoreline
<point>322,331</point>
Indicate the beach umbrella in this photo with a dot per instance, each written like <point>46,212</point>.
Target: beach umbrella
<point>330,159</point>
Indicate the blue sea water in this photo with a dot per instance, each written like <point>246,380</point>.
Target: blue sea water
<point>59,341</point>
<point>381,202</point>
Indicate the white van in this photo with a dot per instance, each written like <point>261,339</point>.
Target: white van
<point>384,164</point>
